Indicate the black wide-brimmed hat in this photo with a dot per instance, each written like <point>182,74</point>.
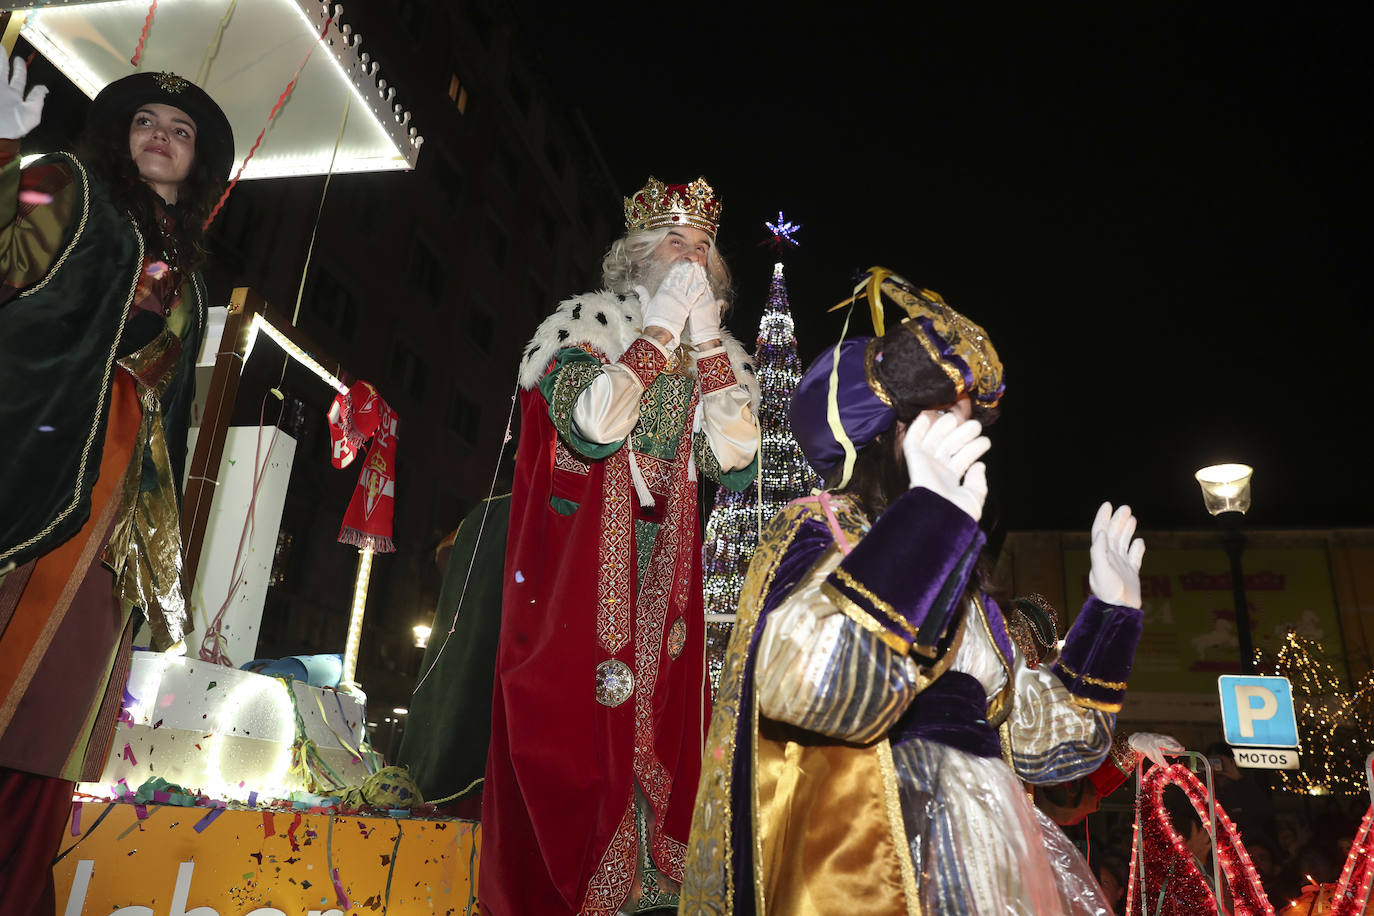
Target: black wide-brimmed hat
<point>214,137</point>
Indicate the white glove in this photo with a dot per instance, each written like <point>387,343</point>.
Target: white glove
<point>942,456</point>
<point>669,307</point>
<point>1115,574</point>
<point>19,115</point>
<point>1154,745</point>
<point>703,322</point>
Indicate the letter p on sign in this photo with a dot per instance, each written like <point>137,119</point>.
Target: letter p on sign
<point>1255,703</point>
<point>1257,711</point>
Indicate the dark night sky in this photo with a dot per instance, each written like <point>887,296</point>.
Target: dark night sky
<point>1155,209</point>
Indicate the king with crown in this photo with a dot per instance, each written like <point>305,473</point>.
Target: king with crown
<point>600,704</point>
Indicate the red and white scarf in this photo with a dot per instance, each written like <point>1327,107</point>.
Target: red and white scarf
<point>355,417</point>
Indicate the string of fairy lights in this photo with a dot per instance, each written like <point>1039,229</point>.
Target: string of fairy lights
<point>1335,724</point>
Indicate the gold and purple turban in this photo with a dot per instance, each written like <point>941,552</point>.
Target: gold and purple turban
<point>841,404</point>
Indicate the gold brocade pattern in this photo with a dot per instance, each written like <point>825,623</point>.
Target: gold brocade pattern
<point>715,372</point>
<point>144,549</point>
<point>613,582</point>
<point>614,876</point>
<point>664,410</point>
<point>657,601</point>
<point>565,459</point>
<point>644,360</point>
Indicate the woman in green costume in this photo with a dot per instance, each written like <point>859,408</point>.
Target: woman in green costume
<point>101,316</point>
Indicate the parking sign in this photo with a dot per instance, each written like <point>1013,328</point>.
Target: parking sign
<point>1257,711</point>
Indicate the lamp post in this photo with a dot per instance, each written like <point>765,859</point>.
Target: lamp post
<point>1226,494</point>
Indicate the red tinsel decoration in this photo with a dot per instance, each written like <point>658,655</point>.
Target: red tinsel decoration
<point>143,36</point>
<point>1167,862</point>
<point>281,100</point>
<point>1357,877</point>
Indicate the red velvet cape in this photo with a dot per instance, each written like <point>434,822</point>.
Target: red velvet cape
<point>558,832</point>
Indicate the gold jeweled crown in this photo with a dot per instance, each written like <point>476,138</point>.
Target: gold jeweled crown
<point>657,205</point>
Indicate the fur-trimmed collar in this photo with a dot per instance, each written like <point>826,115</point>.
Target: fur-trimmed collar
<point>609,322</point>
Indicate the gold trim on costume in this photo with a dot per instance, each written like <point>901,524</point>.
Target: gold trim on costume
<point>871,374</point>
<point>1090,680</point>
<point>851,609</point>
<point>892,797</point>
<point>878,603</point>
<point>1094,704</point>
<point>919,333</point>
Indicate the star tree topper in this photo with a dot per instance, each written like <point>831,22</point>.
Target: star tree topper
<point>783,231</point>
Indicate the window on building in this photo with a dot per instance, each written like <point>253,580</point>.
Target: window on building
<point>406,372</point>
<point>464,417</point>
<point>333,304</point>
<point>458,93</point>
<point>426,274</point>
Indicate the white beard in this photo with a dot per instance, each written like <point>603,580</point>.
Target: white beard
<point>650,272</point>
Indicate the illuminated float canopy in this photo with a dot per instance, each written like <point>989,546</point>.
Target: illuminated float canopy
<point>262,44</point>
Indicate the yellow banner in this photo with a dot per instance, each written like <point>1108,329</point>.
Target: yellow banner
<point>1190,620</point>
<point>190,862</point>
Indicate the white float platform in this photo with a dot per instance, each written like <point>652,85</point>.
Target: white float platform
<point>226,732</point>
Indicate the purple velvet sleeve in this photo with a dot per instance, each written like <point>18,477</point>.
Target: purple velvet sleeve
<point>909,572</point>
<point>1098,652</point>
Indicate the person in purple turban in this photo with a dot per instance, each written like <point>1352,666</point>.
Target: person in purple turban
<point>874,722</point>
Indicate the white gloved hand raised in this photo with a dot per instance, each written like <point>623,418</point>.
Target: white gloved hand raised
<point>19,115</point>
<point>669,307</point>
<point>703,322</point>
<point>1115,574</point>
<point>1154,746</point>
<point>942,456</point>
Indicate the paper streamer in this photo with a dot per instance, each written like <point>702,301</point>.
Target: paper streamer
<point>208,819</point>
<point>338,889</point>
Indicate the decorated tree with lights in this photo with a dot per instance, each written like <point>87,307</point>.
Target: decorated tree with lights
<point>1335,725</point>
<point>732,531</point>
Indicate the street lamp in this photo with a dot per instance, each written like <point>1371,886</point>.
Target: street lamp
<point>1226,494</point>
<point>421,632</point>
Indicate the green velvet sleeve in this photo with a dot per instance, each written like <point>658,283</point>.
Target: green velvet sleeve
<point>737,480</point>
<point>573,370</point>
<point>28,245</point>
